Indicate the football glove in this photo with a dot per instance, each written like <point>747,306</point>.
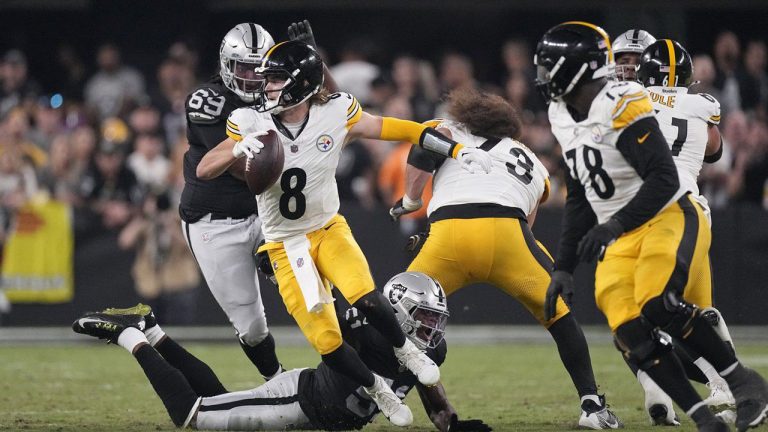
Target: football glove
<point>475,160</point>
<point>249,145</point>
<point>596,240</point>
<point>472,425</point>
<point>404,206</point>
<point>560,285</point>
<point>416,241</point>
<point>263,264</point>
<point>302,31</point>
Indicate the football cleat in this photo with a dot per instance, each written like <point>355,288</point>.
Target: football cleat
<point>394,409</point>
<point>140,309</point>
<point>108,327</point>
<point>594,416</point>
<point>720,398</point>
<point>418,362</point>
<point>751,394</point>
<point>657,403</point>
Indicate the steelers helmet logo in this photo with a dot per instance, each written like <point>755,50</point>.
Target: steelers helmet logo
<point>324,143</point>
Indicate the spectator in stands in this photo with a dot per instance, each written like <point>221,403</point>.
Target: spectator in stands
<point>115,87</point>
<point>355,71</point>
<point>83,144</point>
<point>48,123</point>
<point>415,82</point>
<point>175,80</point>
<point>164,271</point>
<point>14,137</point>
<point>72,73</point>
<point>755,83</point>
<point>727,58</point>
<point>18,89</point>
<point>356,176</point>
<point>148,164</point>
<point>704,75</point>
<point>382,89</point>
<point>59,177</point>
<point>18,184</point>
<point>752,184</point>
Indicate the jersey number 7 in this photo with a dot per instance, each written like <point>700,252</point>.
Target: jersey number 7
<point>682,134</point>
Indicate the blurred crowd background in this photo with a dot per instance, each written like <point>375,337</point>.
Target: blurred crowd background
<point>89,127</point>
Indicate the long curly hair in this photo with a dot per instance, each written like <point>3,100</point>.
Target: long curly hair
<point>484,113</point>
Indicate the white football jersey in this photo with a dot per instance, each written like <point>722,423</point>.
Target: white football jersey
<point>589,146</point>
<point>517,178</point>
<point>305,197</point>
<point>684,120</point>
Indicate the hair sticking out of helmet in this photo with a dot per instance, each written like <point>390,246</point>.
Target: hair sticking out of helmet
<point>420,307</point>
<point>293,72</point>
<point>665,63</point>
<point>241,52</point>
<point>627,48</point>
<point>570,54</point>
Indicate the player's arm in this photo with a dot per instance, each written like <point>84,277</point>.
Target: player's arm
<point>222,157</point>
<point>714,150</point>
<point>302,31</point>
<point>442,413</point>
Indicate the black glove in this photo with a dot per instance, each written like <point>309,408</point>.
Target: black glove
<point>560,285</point>
<point>302,31</point>
<point>263,264</point>
<point>400,209</point>
<point>472,425</point>
<point>596,240</point>
<point>416,241</point>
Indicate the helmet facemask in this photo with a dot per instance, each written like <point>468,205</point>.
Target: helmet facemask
<point>425,327</point>
<point>626,66</point>
<point>420,307</point>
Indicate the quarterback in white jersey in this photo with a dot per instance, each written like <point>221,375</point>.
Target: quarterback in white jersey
<point>480,228</point>
<point>309,244</point>
<point>625,208</point>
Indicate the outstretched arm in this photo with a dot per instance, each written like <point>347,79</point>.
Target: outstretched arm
<point>442,413</point>
<point>302,31</point>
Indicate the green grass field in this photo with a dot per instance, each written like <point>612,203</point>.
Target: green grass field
<point>520,387</point>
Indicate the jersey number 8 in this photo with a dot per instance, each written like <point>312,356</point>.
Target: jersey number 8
<point>292,182</point>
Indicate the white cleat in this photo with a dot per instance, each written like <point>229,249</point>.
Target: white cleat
<point>598,416</point>
<point>721,400</point>
<point>394,409</point>
<point>419,363</point>
<point>658,404</point>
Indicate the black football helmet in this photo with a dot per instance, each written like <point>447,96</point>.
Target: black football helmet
<point>665,63</point>
<point>570,54</point>
<point>299,66</point>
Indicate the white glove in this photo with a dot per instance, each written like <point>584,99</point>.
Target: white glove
<point>475,160</point>
<point>249,145</point>
<point>404,206</point>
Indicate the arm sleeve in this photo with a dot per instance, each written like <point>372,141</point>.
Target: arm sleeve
<point>424,160</point>
<point>578,218</point>
<point>716,155</point>
<point>650,157</point>
<point>393,129</point>
<point>235,128</point>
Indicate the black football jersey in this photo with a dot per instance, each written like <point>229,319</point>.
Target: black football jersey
<point>334,402</point>
<point>207,109</point>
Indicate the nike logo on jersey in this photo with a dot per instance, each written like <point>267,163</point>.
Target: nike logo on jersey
<point>642,139</point>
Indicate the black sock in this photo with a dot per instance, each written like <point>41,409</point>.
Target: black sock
<point>379,313</point>
<point>574,353</point>
<point>703,339</point>
<point>668,373</point>
<point>200,376</point>
<point>169,384</point>
<point>703,416</point>
<point>346,361</point>
<point>687,356</point>
<point>263,356</point>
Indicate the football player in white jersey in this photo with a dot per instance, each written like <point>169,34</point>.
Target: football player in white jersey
<point>689,124</point>
<point>627,48</point>
<point>480,228</point>
<point>625,208</point>
<point>309,244</point>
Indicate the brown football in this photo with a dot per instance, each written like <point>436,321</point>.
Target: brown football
<point>263,170</point>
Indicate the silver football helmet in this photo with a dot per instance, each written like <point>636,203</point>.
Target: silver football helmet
<point>240,54</point>
<point>420,307</point>
<point>627,49</point>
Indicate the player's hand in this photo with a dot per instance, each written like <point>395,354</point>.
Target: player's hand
<point>415,241</point>
<point>472,425</point>
<point>596,240</point>
<point>475,160</point>
<point>404,206</point>
<point>302,31</point>
<point>263,263</point>
<point>560,285</point>
<point>249,145</point>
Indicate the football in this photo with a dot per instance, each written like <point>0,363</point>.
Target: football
<point>263,170</point>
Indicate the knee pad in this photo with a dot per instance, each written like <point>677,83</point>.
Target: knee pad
<point>641,342</point>
<point>257,332</point>
<point>671,314</point>
<point>326,341</point>
<point>712,316</point>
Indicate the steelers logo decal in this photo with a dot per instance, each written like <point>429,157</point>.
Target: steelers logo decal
<point>324,143</point>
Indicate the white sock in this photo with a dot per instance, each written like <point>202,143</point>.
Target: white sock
<point>407,347</point>
<point>131,337</point>
<point>154,334</point>
<point>593,398</point>
<point>707,368</point>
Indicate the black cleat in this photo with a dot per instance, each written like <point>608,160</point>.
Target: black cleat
<point>660,416</point>
<point>139,309</point>
<point>108,327</point>
<point>751,393</point>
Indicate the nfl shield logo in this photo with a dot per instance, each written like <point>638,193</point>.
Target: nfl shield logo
<point>300,262</point>
<point>294,148</point>
<point>324,143</point>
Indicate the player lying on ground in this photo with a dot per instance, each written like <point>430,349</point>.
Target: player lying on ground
<point>480,228</point>
<point>300,398</point>
<point>308,242</point>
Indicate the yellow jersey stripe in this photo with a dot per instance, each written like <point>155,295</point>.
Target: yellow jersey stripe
<point>672,63</point>
<point>234,135</point>
<point>547,189</point>
<point>354,112</point>
<point>352,105</point>
<point>232,125</point>
<point>624,100</point>
<point>353,118</point>
<point>602,33</point>
<point>634,110</point>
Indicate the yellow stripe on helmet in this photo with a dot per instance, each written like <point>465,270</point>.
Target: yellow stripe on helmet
<point>672,63</point>
<point>602,33</point>
<point>272,49</point>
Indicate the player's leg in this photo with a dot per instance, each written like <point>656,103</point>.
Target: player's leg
<point>169,383</point>
<point>442,258</point>
<point>223,251</point>
<point>324,334</point>
<point>271,406</point>
<point>521,268</point>
<point>340,259</point>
